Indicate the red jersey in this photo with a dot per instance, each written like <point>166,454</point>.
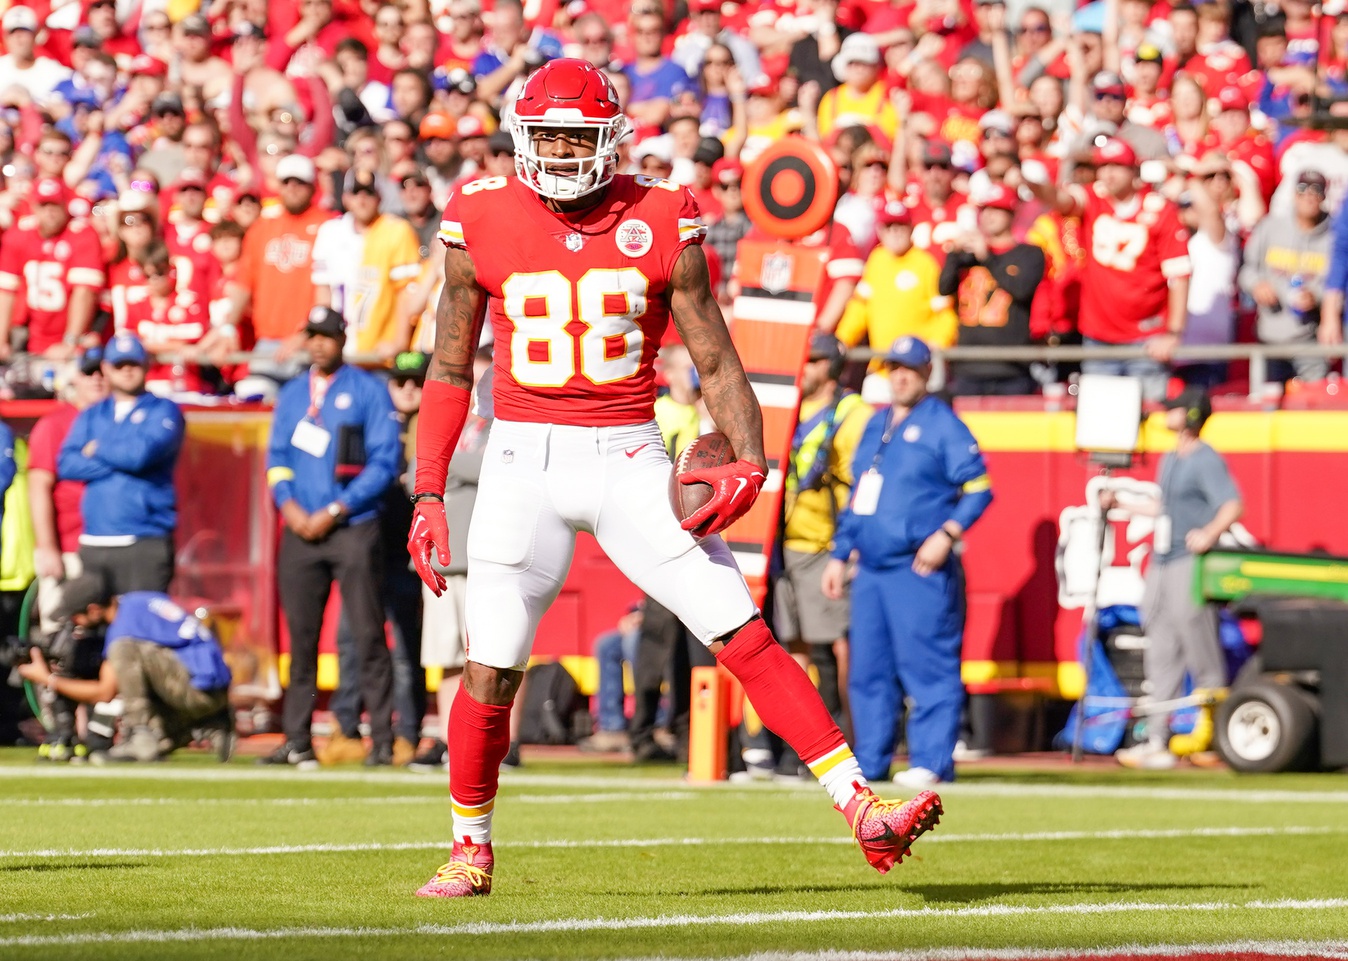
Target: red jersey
<point>1133,249</point>
<point>161,326</point>
<point>126,286</point>
<point>46,271</point>
<point>1225,64</point>
<point>575,344</point>
<point>44,444</point>
<point>934,226</point>
<point>190,245</point>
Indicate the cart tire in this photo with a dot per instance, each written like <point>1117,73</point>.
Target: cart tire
<point>1266,726</point>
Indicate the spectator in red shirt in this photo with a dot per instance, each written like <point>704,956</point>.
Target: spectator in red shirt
<point>387,57</point>
<point>188,237</point>
<point>58,268</point>
<point>167,321</point>
<point>55,504</point>
<point>1232,137</point>
<point>935,204</point>
<point>1135,282</point>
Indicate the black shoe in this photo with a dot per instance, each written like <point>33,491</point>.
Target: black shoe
<point>651,752</point>
<point>379,756</point>
<point>297,756</point>
<point>217,731</point>
<point>432,760</point>
<point>512,758</point>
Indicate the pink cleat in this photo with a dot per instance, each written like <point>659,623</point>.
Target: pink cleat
<point>468,873</point>
<point>886,829</point>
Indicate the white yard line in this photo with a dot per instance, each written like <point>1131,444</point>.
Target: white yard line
<point>586,925</point>
<point>17,918</point>
<point>1035,836</point>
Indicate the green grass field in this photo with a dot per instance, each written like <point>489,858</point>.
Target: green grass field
<point>192,860</point>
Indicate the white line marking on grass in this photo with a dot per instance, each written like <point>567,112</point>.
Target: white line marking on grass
<point>15,918</point>
<point>1288,949</point>
<point>591,843</point>
<point>585,925</point>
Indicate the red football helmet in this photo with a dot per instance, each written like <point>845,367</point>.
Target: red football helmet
<point>567,93</point>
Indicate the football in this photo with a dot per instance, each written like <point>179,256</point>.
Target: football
<point>708,450</point>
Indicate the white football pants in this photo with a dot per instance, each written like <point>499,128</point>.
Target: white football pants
<point>540,484</point>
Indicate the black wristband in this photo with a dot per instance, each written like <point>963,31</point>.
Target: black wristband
<point>418,498</point>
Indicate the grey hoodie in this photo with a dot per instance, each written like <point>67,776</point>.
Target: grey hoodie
<point>1280,253</point>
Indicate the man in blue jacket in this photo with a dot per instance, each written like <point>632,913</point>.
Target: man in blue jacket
<point>919,484</point>
<point>333,453</point>
<point>164,664</point>
<point>124,449</point>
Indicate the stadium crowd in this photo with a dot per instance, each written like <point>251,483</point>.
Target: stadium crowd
<point>171,171</point>
<point>1122,173</point>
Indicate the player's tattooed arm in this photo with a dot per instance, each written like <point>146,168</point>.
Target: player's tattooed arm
<point>698,319</point>
<point>458,321</point>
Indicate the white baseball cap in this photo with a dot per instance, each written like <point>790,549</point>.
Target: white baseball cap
<point>297,166</point>
<point>857,48</point>
<point>19,18</point>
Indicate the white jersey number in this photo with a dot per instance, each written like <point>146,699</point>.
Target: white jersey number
<point>609,302</point>
<point>1117,243</point>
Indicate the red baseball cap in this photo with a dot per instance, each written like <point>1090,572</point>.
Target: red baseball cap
<point>703,6</point>
<point>1000,197</point>
<point>470,126</point>
<point>1233,98</point>
<point>144,65</point>
<point>726,169</point>
<point>894,212</point>
<point>1114,151</point>
<point>49,190</point>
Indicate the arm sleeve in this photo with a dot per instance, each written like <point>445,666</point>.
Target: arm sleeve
<point>71,464</point>
<point>845,533</point>
<point>1218,484</point>
<point>965,467</point>
<point>85,268</point>
<point>144,446</point>
<point>320,272</point>
<point>381,453</point>
<point>280,466</point>
<point>1338,256</point>
<point>956,263</point>
<point>1252,263</point>
<point>451,224</point>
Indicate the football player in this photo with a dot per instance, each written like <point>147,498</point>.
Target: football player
<point>580,270</point>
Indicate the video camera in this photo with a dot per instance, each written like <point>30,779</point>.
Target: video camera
<point>71,651</point>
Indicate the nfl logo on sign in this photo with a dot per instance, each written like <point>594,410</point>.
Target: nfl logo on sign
<point>775,274</point>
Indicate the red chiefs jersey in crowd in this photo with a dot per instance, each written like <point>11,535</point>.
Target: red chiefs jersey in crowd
<point>1252,149</point>
<point>44,271</point>
<point>190,245</point>
<point>1133,249</point>
<point>164,325</point>
<point>578,303</point>
<point>127,285</point>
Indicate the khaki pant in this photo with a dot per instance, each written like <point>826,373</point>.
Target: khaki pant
<point>157,691</point>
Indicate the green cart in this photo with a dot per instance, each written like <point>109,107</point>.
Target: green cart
<point>1288,708</point>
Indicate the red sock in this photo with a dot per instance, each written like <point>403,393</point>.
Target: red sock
<point>781,692</point>
<point>479,737</point>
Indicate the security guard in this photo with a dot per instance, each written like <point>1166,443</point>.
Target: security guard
<point>333,453</point>
<point>920,483</point>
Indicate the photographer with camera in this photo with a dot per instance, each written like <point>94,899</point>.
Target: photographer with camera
<point>164,664</point>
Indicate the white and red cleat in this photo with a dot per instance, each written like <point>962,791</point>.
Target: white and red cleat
<point>886,830</point>
<point>467,874</point>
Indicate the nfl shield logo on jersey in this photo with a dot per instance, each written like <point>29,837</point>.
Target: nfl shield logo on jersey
<point>775,274</point>
<point>634,238</point>
<point>574,242</point>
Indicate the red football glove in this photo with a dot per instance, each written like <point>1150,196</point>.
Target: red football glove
<point>735,487</point>
<point>429,529</point>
